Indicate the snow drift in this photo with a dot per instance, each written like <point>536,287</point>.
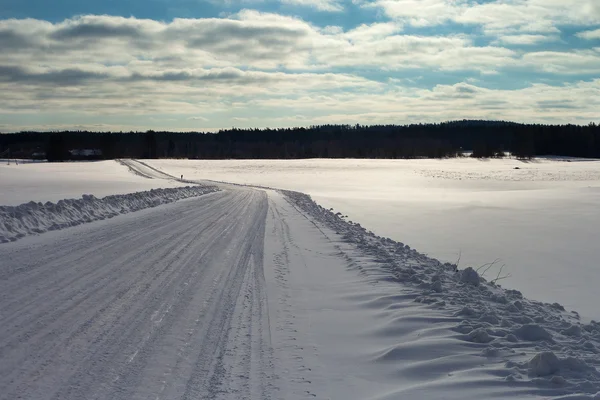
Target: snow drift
<point>31,218</point>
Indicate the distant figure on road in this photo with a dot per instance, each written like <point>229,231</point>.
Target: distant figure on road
<point>181,177</point>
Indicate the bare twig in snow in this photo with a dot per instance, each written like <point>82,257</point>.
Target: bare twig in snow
<point>459,256</point>
<point>498,277</point>
<point>487,267</point>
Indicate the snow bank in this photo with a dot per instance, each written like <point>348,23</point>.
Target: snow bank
<point>31,218</point>
<point>539,345</point>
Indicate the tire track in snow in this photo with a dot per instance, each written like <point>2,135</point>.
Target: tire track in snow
<point>93,279</point>
<point>290,322</point>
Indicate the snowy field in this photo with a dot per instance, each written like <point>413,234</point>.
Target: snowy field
<point>257,294</point>
<point>41,182</point>
<point>541,219</point>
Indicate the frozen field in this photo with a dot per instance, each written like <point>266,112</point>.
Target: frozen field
<point>43,182</point>
<point>541,219</point>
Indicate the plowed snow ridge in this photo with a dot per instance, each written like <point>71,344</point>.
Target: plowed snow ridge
<point>31,218</point>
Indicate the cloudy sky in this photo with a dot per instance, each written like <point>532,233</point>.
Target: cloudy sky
<point>210,64</point>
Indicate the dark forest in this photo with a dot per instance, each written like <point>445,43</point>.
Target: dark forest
<point>449,139</point>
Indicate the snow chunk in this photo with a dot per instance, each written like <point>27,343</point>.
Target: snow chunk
<point>544,364</point>
<point>490,318</point>
<point>468,311</point>
<point>589,345</point>
<point>576,365</point>
<point>532,332</point>
<point>558,380</point>
<point>573,330</point>
<point>490,352</point>
<point>512,338</point>
<point>436,286</point>
<point>470,276</point>
<point>479,336</point>
<point>518,305</point>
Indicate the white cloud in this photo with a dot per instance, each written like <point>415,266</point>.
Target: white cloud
<point>249,39</point>
<point>569,63</point>
<point>147,92</point>
<point>590,35</point>
<point>526,39</point>
<point>252,61</point>
<point>321,5</point>
<point>574,103</point>
<point>376,31</point>
<point>422,12</point>
<point>107,47</point>
<point>500,16</point>
<point>410,51</point>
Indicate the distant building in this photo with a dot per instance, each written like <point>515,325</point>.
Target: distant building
<point>85,154</point>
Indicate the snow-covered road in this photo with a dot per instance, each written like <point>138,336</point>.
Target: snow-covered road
<point>171,303</point>
<point>140,308</point>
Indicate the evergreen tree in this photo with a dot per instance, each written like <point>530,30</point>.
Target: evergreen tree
<point>57,149</point>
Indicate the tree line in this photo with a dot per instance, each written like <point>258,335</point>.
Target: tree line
<point>441,140</point>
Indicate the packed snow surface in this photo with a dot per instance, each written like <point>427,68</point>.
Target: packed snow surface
<point>256,294</point>
<point>539,217</point>
<point>42,182</point>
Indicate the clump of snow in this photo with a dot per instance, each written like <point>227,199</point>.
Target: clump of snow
<point>479,336</point>
<point>518,305</point>
<point>490,352</point>
<point>436,286</point>
<point>573,330</point>
<point>31,218</point>
<point>544,364</point>
<point>558,380</point>
<point>589,345</point>
<point>466,311</point>
<point>490,318</point>
<point>512,338</point>
<point>470,276</point>
<point>532,332</point>
<point>547,363</point>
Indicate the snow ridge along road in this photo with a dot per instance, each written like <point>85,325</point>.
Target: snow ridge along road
<point>31,218</point>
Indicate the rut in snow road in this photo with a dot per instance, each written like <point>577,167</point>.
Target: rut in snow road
<point>155,305</point>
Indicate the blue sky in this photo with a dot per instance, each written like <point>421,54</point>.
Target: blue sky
<point>206,65</point>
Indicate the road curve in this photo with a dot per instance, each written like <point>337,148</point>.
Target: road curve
<point>168,305</point>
